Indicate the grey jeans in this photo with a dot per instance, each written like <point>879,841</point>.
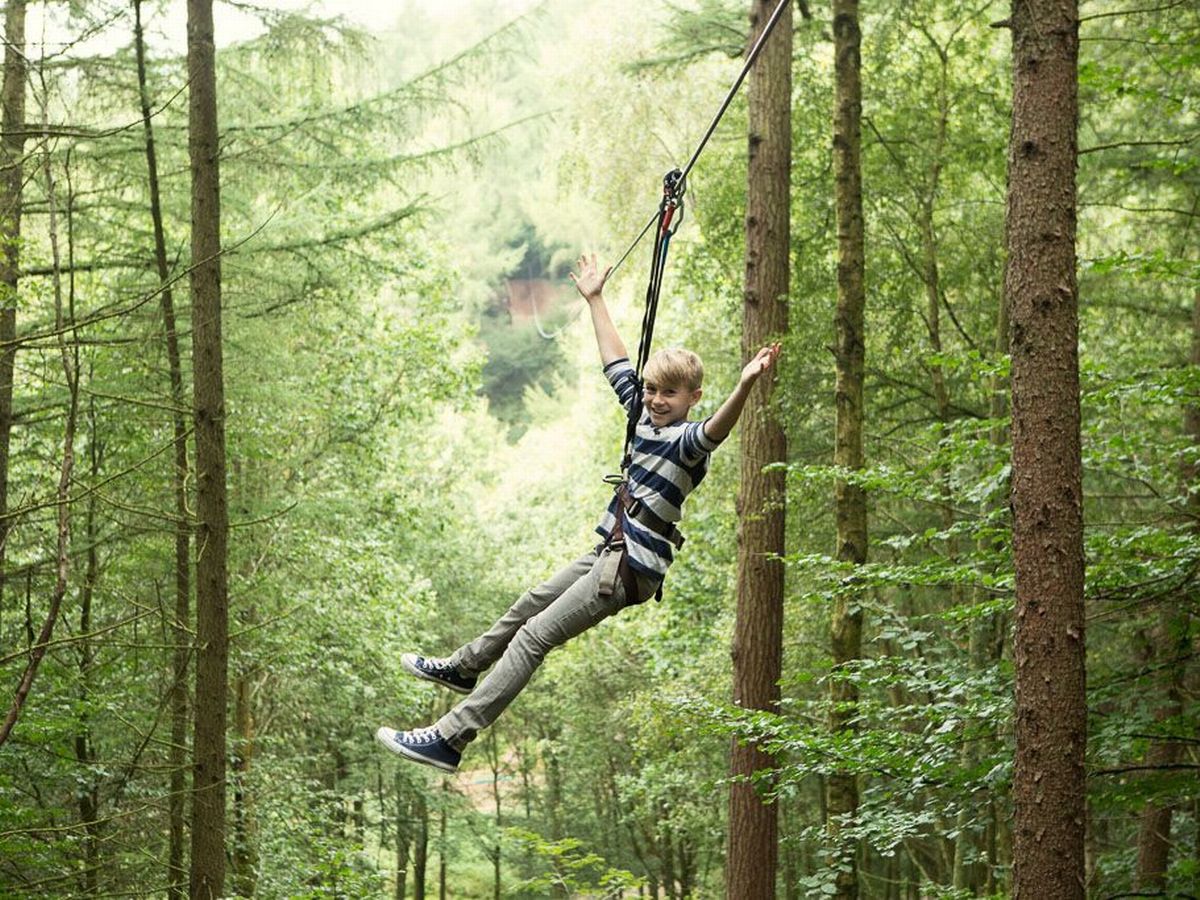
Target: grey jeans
<point>573,600</point>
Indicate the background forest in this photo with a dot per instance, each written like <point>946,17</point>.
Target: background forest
<point>417,429</point>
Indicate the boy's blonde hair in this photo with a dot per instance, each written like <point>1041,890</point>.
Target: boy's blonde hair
<point>674,367</point>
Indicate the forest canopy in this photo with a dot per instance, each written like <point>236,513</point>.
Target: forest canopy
<point>414,429</point>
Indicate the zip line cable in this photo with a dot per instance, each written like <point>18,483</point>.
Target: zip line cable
<point>673,197</point>
<point>725,104</point>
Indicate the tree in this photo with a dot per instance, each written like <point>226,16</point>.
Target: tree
<point>849,359</point>
<point>1168,646</point>
<point>1047,496</point>
<point>12,152</point>
<point>64,313</point>
<point>208,393</point>
<point>752,854</point>
<point>181,653</point>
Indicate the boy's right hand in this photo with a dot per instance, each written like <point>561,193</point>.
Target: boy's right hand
<point>763,360</point>
<point>590,282</point>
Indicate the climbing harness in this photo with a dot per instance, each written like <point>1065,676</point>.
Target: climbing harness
<point>615,543</point>
<point>667,219</point>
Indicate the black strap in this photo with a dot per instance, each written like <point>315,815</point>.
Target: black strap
<point>627,506</point>
<point>645,516</point>
<point>668,223</point>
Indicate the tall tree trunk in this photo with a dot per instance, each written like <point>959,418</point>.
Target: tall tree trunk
<point>1047,501</point>
<point>752,855</point>
<point>666,852</point>
<point>443,825</point>
<point>494,852</point>
<point>181,650</point>
<point>1165,653</point>
<point>989,637</point>
<point>963,843</point>
<point>12,152</point>
<point>850,500</point>
<point>208,392</point>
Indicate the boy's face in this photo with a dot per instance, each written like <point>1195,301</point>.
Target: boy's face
<point>668,403</point>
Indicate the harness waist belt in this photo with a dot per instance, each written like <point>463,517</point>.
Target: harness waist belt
<point>644,515</point>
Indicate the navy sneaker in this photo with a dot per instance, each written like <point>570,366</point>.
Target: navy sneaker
<point>439,671</point>
<point>423,745</point>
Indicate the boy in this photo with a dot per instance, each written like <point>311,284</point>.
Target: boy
<point>670,458</point>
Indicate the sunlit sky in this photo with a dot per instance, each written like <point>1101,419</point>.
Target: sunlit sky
<point>166,24</point>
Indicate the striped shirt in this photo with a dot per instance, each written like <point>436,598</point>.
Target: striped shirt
<point>668,463</point>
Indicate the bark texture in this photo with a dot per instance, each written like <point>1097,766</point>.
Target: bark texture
<point>758,632</point>
<point>208,400</point>
<point>1040,287</point>
<point>850,500</point>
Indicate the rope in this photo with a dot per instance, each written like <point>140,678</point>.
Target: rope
<point>537,319</point>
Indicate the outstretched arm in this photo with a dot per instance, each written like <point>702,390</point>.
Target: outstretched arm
<point>718,426</point>
<point>590,283</point>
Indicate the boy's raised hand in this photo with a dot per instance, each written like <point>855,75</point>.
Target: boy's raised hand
<point>763,360</point>
<point>590,282</point>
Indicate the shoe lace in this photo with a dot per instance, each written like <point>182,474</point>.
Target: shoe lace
<point>441,666</point>
<point>423,735</point>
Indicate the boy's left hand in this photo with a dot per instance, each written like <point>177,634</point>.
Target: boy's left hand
<point>763,360</point>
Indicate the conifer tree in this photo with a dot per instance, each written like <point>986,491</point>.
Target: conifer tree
<point>1049,787</point>
<point>758,632</point>
<point>212,600</point>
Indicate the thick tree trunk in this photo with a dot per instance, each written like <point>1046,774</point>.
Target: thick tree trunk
<point>1047,503</point>
<point>12,152</point>
<point>181,652</point>
<point>751,860</point>
<point>850,500</point>
<point>212,613</point>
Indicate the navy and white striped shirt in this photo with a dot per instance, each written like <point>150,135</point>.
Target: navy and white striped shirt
<point>668,463</point>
